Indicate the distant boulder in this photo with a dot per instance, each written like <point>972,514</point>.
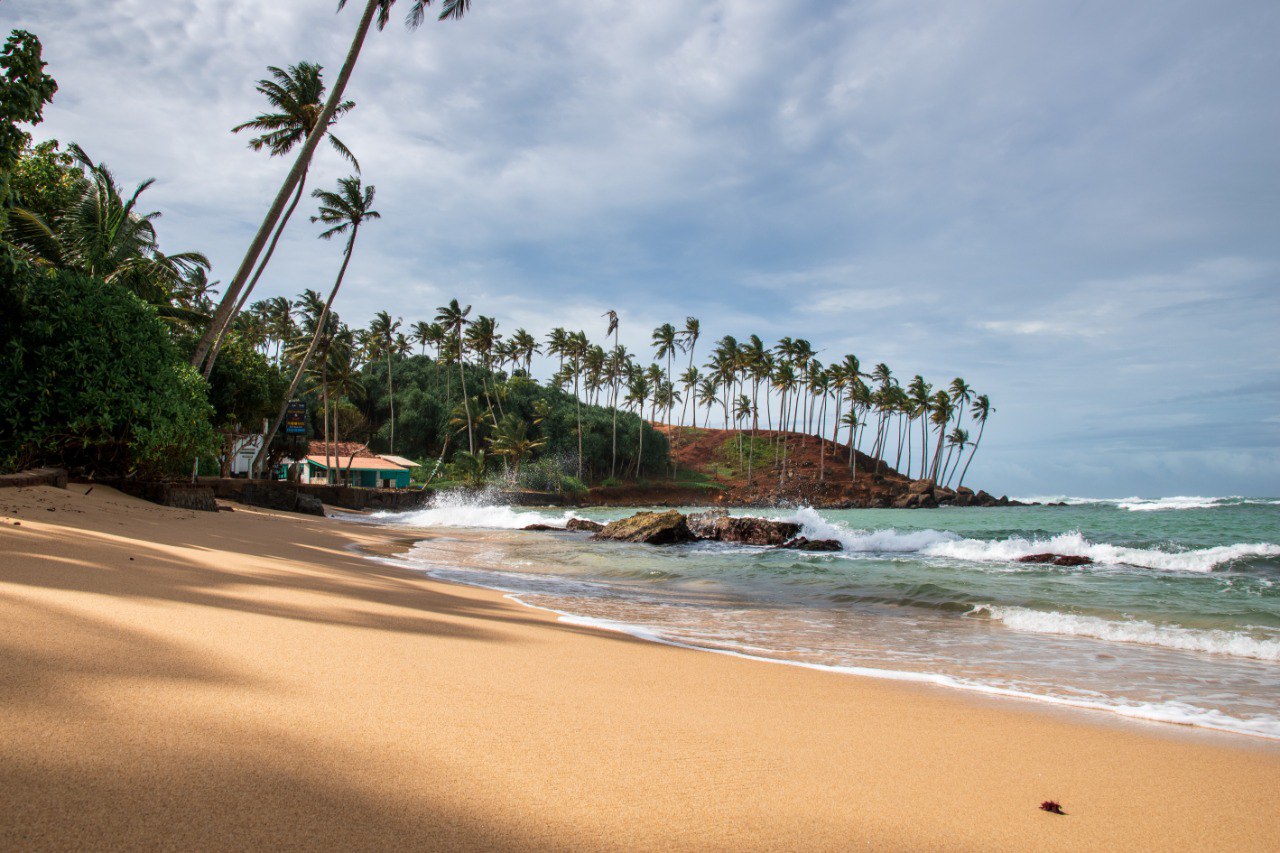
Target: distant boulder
<point>653,528</point>
<point>584,524</point>
<point>541,527</point>
<point>920,487</point>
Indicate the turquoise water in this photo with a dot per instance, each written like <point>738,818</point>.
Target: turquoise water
<point>1177,620</point>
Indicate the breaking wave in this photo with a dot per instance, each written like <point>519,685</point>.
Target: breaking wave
<point>938,543</point>
<point>474,512</point>
<point>1136,504</point>
<point>1233,643</point>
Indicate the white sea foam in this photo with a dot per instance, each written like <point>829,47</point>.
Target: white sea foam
<point>939,543</point>
<point>451,511</point>
<point>1179,502</point>
<point>1180,713</point>
<point>1232,643</point>
<point>1137,504</point>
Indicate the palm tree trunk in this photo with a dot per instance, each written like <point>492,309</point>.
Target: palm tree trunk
<point>391,396</point>
<point>981,426</point>
<point>324,393</point>
<point>232,295</point>
<point>311,348</point>
<point>266,259</point>
<point>466,401</point>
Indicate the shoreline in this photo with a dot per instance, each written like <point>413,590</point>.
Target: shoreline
<point>387,554</point>
<point>176,678</point>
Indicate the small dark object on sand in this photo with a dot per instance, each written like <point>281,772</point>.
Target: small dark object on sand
<point>1052,806</point>
<point>88,490</point>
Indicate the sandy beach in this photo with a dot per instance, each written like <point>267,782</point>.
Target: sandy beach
<point>244,680</point>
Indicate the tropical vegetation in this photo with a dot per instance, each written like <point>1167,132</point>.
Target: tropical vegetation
<point>125,357</point>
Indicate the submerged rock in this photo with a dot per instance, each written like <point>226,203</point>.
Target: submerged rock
<point>1057,559</point>
<point>653,528</point>
<point>584,524</point>
<point>800,543</point>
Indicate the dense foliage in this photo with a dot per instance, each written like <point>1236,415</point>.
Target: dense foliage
<point>427,399</point>
<point>90,378</point>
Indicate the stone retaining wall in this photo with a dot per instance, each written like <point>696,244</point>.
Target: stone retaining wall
<point>35,477</point>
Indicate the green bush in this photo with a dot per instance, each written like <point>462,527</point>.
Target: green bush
<point>572,486</point>
<point>89,378</point>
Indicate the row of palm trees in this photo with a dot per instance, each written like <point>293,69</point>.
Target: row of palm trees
<point>784,389</point>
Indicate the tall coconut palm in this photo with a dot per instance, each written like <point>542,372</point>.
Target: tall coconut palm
<point>615,376</point>
<point>449,9</point>
<point>343,212</point>
<point>665,341</point>
<point>523,347</point>
<point>453,318</point>
<point>980,411</point>
<point>383,330</point>
<point>296,98</point>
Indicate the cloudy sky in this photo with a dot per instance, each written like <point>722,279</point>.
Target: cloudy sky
<point>1074,206</point>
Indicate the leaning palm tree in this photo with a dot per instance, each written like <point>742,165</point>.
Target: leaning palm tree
<point>449,9</point>
<point>296,101</point>
<point>980,411</point>
<point>344,212</point>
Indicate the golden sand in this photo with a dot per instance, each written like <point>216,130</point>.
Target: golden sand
<point>246,680</point>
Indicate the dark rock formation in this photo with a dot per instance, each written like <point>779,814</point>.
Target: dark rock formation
<point>309,504</point>
<point>1056,559</point>
<point>584,524</point>
<point>920,487</point>
<point>800,543</point>
<point>703,524</point>
<point>653,528</point>
<point>542,527</point>
<point>751,531</point>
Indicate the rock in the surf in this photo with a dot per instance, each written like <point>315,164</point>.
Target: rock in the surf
<point>800,543</point>
<point>1057,559</point>
<point>584,524</point>
<point>541,527</point>
<point>751,531</point>
<point>703,524</point>
<point>653,528</point>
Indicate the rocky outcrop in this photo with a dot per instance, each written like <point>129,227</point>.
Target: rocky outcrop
<point>542,527</point>
<point>703,524</point>
<point>1057,559</point>
<point>584,524</point>
<point>652,528</point>
<point>800,543</point>
<point>748,531</point>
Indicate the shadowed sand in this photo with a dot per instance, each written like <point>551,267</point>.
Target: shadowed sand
<point>246,680</point>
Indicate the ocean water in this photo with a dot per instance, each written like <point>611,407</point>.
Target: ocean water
<point>1177,620</point>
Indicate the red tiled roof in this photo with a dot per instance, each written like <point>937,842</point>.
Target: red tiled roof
<point>358,463</point>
